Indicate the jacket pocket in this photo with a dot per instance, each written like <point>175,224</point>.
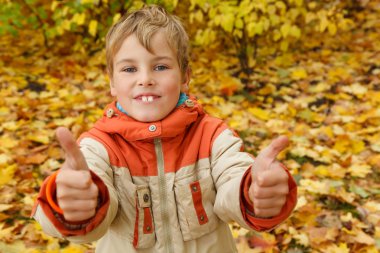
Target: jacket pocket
<point>144,234</point>
<point>195,204</point>
<point>135,215</point>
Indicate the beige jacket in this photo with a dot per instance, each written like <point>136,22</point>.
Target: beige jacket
<point>169,186</point>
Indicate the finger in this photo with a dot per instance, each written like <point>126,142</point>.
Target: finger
<point>276,175</point>
<point>267,212</point>
<point>269,202</point>
<point>78,216</point>
<point>80,205</point>
<point>69,192</point>
<point>73,154</point>
<point>269,192</point>
<point>77,179</point>
<point>269,154</point>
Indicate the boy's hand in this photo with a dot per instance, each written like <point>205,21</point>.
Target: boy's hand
<point>77,194</point>
<point>269,188</point>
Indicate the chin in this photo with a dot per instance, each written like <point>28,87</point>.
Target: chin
<point>149,118</point>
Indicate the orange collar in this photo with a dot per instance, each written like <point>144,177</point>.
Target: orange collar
<point>116,122</point>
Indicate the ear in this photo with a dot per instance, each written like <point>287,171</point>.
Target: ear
<point>186,81</point>
<point>112,89</point>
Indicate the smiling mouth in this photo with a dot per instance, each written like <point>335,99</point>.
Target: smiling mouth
<point>147,99</point>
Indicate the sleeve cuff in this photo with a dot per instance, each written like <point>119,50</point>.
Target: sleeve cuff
<point>47,200</point>
<point>246,205</point>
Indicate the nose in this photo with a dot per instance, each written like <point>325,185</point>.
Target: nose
<point>146,79</point>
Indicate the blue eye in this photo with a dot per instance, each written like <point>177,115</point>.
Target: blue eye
<point>129,69</point>
<point>160,67</point>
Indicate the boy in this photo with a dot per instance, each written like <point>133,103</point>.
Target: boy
<point>157,174</point>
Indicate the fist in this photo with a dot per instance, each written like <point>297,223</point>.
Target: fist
<point>269,188</point>
<point>77,194</point>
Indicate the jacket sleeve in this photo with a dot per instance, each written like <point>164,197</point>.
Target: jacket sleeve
<point>54,224</point>
<point>230,166</point>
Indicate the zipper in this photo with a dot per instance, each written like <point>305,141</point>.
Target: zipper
<point>162,191</point>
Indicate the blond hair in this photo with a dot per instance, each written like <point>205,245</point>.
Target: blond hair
<point>144,23</point>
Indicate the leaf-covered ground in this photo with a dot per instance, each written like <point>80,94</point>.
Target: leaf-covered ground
<point>326,99</point>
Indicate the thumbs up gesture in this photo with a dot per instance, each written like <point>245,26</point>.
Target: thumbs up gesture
<point>77,195</point>
<point>269,187</point>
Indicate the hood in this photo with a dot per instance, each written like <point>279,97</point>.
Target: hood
<point>116,122</point>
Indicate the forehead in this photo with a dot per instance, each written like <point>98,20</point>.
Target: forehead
<point>158,47</point>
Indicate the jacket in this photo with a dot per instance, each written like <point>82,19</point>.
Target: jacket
<point>167,186</point>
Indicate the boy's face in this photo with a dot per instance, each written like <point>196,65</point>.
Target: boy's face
<point>147,85</point>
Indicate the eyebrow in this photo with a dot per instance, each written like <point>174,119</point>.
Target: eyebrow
<point>157,58</point>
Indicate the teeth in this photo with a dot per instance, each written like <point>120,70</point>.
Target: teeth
<point>147,98</point>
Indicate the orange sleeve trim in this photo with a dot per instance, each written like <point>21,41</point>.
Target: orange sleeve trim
<point>246,205</point>
<point>51,193</point>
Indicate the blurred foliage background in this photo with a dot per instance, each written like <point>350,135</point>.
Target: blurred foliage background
<point>306,69</point>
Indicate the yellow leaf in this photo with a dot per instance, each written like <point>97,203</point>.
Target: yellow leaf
<point>295,31</point>
<point>79,18</point>
<point>42,138</point>
<point>342,194</point>
<point>301,202</point>
<point>299,73</point>
<point>227,22</point>
<point>73,248</point>
<point>357,146</point>
<point>36,158</point>
<point>88,1</point>
<point>54,5</point>
<point>239,23</point>
<point>4,111</point>
<point>15,247</point>
<point>199,16</point>
<point>310,16</point>
<point>332,28</point>
<point>4,159</point>
<point>274,19</point>
<point>116,18</point>
<point>259,28</point>
<point>299,2</point>
<point>259,113</point>
<point>4,207</point>
<point>302,239</point>
<point>313,186</point>
<point>372,206</point>
<point>356,89</point>
<point>341,248</point>
<point>363,238</point>
<point>334,171</point>
<point>342,144</point>
<point>323,23</point>
<point>6,142</point>
<point>284,45</point>
<point>68,121</point>
<point>66,25</point>
<point>359,170</point>
<point>285,29</point>
<point>6,174</point>
<point>267,89</point>
<point>92,27</point>
<point>337,74</point>
<point>276,35</point>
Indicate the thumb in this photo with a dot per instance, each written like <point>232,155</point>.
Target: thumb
<point>73,155</point>
<point>267,156</point>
